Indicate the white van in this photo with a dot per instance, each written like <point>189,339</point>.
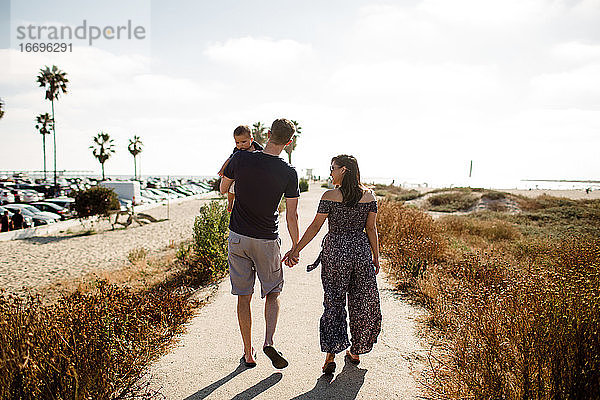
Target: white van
<point>125,190</point>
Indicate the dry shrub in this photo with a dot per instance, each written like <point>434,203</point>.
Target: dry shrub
<point>493,195</point>
<point>396,193</point>
<point>516,333</point>
<point>452,201</point>
<point>490,229</point>
<point>137,255</point>
<point>497,206</point>
<point>85,346</point>
<point>409,238</point>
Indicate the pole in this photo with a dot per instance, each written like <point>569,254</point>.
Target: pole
<point>471,168</point>
<point>44,146</point>
<point>168,201</point>
<point>54,135</point>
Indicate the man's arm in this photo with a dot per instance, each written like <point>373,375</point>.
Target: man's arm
<point>225,184</point>
<point>291,216</point>
<point>220,173</point>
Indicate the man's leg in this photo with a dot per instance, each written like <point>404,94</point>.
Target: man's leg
<point>245,320</point>
<point>271,316</point>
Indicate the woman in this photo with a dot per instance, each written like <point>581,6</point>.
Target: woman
<point>350,261</point>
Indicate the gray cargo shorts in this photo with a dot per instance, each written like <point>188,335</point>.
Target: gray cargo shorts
<point>249,257</point>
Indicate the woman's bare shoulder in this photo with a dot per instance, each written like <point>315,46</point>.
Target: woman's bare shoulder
<point>368,196</point>
<point>332,194</point>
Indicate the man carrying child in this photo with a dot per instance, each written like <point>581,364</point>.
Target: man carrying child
<point>261,178</point>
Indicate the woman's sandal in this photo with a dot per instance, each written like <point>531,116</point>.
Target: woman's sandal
<point>329,368</point>
<point>352,359</point>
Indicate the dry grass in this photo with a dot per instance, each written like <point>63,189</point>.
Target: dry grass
<point>92,338</point>
<point>519,311</point>
<point>87,345</point>
<point>409,240</point>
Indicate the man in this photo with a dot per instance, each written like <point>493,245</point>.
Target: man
<point>4,222</point>
<point>261,178</point>
<point>17,220</point>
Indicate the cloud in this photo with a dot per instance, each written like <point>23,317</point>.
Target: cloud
<point>576,52</point>
<point>490,14</point>
<point>576,88</point>
<point>256,53</point>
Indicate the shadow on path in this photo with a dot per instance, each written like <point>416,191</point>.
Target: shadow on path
<point>345,386</point>
<point>205,392</point>
<point>260,387</point>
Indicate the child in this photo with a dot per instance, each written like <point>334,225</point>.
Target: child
<point>243,141</point>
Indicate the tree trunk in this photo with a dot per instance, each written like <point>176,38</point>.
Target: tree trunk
<point>134,168</point>
<point>290,157</point>
<point>44,148</point>
<point>54,135</point>
<point>102,170</point>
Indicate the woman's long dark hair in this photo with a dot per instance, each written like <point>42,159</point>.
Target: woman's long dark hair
<point>351,188</point>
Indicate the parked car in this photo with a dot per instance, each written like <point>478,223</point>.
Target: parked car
<point>30,196</point>
<point>38,219</point>
<point>64,213</point>
<point>172,192</point>
<point>66,202</point>
<point>150,195</point>
<point>27,220</point>
<point>6,197</point>
<point>161,194</point>
<point>34,210</point>
<point>18,195</point>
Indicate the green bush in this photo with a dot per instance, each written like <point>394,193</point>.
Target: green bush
<point>96,201</point>
<point>303,185</point>
<point>207,253</point>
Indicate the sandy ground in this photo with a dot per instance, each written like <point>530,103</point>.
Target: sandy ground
<point>206,360</point>
<point>571,194</point>
<point>43,260</point>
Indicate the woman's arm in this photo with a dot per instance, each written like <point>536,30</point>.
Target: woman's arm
<point>292,257</point>
<point>371,228</point>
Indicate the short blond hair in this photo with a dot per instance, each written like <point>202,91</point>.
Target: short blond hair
<point>282,131</point>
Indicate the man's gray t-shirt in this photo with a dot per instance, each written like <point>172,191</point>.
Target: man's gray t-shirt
<point>260,181</point>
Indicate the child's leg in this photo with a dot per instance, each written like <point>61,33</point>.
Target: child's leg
<point>230,198</point>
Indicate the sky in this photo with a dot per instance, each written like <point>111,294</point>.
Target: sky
<point>414,89</point>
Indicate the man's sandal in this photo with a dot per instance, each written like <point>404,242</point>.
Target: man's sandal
<point>276,357</point>
<point>249,364</point>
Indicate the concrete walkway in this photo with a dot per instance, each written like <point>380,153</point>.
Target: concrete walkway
<point>205,362</point>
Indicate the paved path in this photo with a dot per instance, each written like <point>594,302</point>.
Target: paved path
<point>205,362</point>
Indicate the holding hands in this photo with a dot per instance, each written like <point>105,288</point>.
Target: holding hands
<point>292,257</point>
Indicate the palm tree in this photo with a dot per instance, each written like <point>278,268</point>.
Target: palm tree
<point>292,146</point>
<point>260,134</point>
<point>102,148</point>
<point>1,109</point>
<point>135,148</point>
<point>44,125</point>
<point>55,81</point>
